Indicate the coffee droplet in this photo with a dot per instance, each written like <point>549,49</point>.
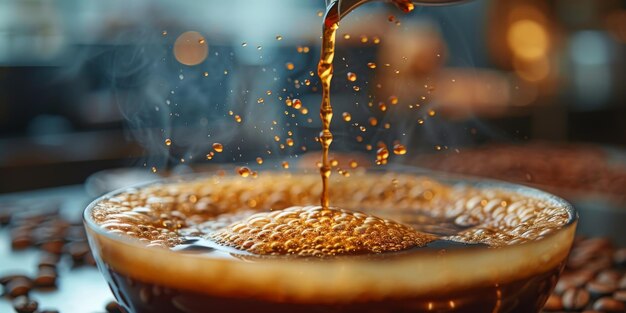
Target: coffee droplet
<point>297,104</point>
<point>290,66</point>
<point>218,147</point>
<point>259,160</point>
<point>393,100</point>
<point>371,65</point>
<point>168,142</point>
<point>244,171</point>
<point>373,121</point>
<point>346,116</point>
<point>399,149</point>
<point>317,232</point>
<point>353,164</point>
<point>285,164</point>
<point>237,118</point>
<point>289,142</point>
<point>382,106</point>
<point>351,76</point>
<point>382,154</point>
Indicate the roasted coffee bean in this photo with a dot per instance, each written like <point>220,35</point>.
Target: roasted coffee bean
<point>18,286</point>
<point>609,305</point>
<point>610,276</point>
<point>114,307</point>
<point>76,233</point>
<point>597,289</point>
<point>21,242</point>
<point>622,283</point>
<point>575,299</point>
<point>5,217</point>
<point>554,303</point>
<point>77,250</point>
<point>599,264</point>
<point>89,259</point>
<point>7,278</point>
<point>23,304</point>
<point>53,246</point>
<point>47,277</point>
<point>573,279</point>
<point>620,295</point>
<point>48,260</point>
<point>619,258</point>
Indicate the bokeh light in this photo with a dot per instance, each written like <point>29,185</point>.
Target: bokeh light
<point>191,48</point>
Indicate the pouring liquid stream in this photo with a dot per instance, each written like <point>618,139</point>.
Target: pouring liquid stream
<point>335,11</point>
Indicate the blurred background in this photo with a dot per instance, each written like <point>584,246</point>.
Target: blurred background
<point>96,95</point>
<point>92,85</point>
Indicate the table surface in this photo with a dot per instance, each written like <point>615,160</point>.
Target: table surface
<point>80,289</point>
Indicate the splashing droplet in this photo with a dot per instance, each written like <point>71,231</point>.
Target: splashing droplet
<point>351,76</point>
<point>218,147</point>
<point>168,142</point>
<point>399,149</point>
<point>346,116</point>
<point>244,171</point>
<point>393,100</point>
<point>297,104</point>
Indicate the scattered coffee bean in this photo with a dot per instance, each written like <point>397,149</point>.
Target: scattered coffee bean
<point>597,289</point>
<point>47,277</point>
<point>609,305</point>
<point>77,250</point>
<point>619,258</point>
<point>21,242</point>
<point>575,299</point>
<point>573,279</point>
<point>23,304</point>
<point>610,276</point>
<point>18,286</point>
<point>622,283</point>
<point>114,307</point>
<point>53,246</point>
<point>620,295</point>
<point>48,260</point>
<point>554,303</point>
<point>5,218</point>
<point>7,278</point>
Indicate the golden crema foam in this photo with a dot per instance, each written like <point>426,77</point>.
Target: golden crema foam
<point>373,244</point>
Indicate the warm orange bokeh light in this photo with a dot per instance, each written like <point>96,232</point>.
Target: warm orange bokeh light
<point>190,48</point>
<point>528,39</point>
<point>534,71</point>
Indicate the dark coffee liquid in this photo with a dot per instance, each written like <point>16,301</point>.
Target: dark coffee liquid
<point>520,296</point>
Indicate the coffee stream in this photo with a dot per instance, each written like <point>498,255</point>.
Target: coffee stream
<point>325,73</point>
